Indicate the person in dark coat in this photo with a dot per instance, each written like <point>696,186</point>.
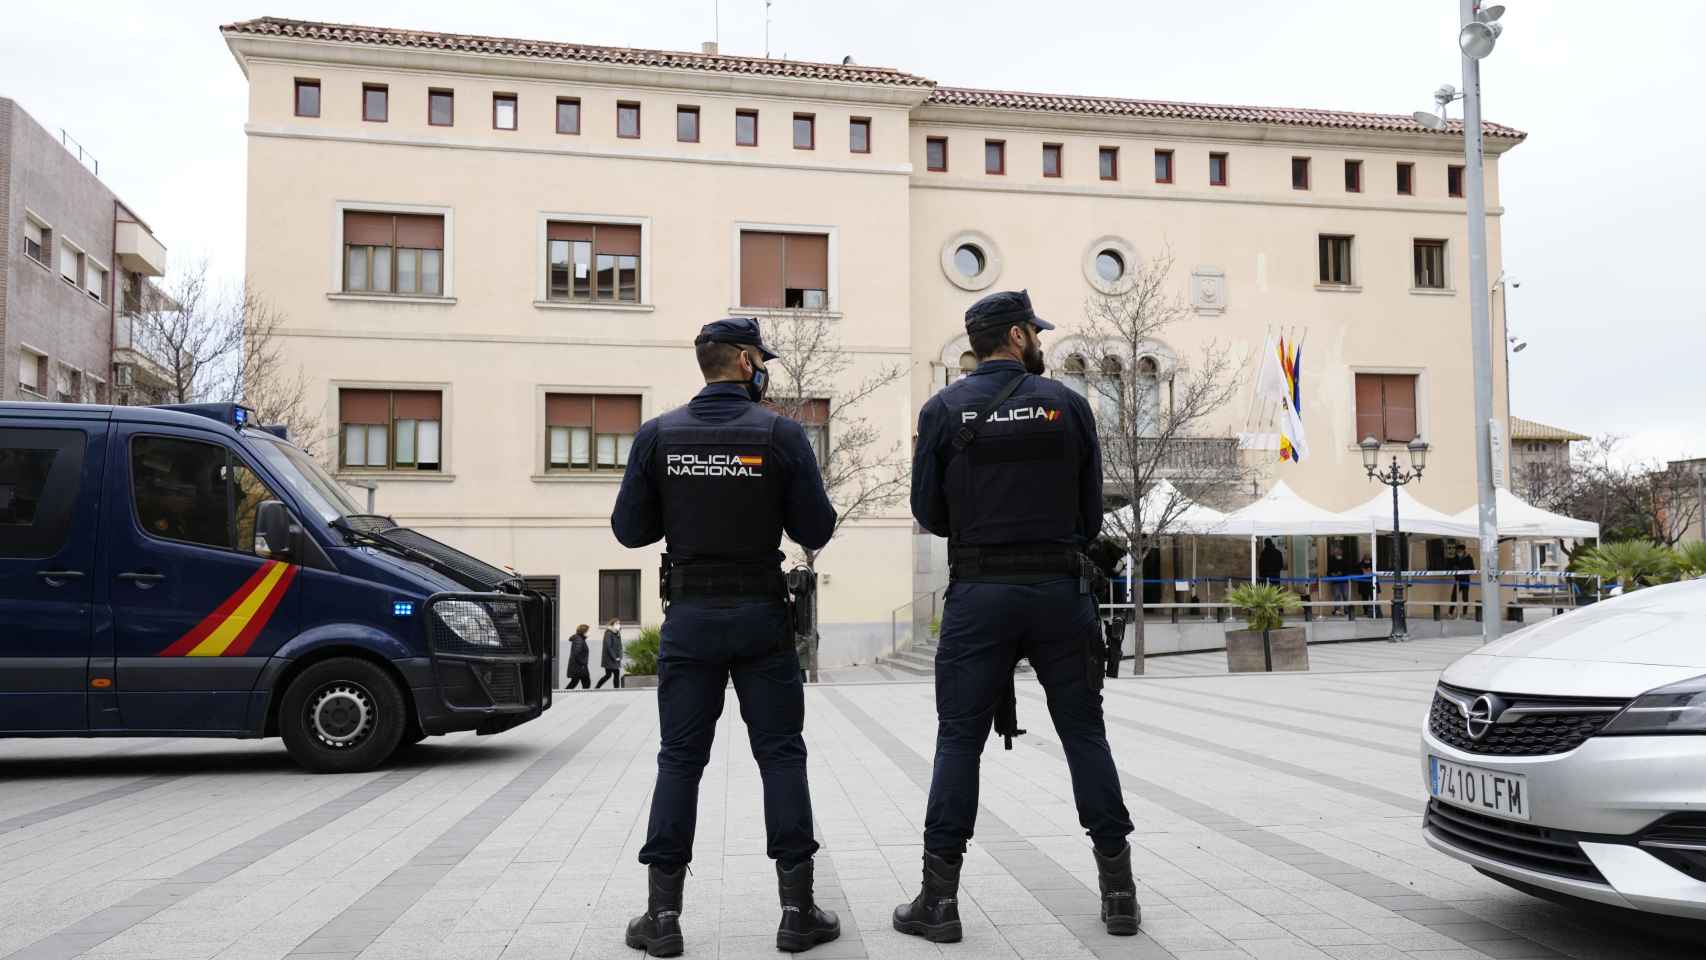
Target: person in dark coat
<point>577,672</point>
<point>1271,563</point>
<point>612,659</point>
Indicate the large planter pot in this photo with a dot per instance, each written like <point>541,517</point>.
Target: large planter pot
<point>639,680</point>
<point>1285,649</point>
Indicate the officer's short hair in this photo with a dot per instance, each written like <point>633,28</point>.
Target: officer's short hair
<point>988,340</point>
<point>717,359</point>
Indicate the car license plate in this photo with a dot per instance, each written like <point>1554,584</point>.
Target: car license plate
<point>1486,791</point>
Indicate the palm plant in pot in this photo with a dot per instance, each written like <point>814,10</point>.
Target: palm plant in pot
<point>1265,643</point>
<point>642,658</point>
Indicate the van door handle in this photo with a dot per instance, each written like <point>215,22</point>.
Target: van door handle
<point>59,578</point>
<point>143,579</point>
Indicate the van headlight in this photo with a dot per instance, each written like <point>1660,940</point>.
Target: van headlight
<point>1676,708</point>
<point>470,621</point>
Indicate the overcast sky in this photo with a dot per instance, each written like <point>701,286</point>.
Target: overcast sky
<point>1606,200</point>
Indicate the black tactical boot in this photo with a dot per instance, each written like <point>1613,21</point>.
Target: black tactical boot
<point>935,913</point>
<point>804,925</point>
<point>658,930</point>
<point>1120,912</point>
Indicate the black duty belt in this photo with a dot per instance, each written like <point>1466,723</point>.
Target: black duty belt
<point>1014,560</point>
<point>726,580</point>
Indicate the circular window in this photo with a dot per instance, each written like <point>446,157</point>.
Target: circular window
<point>969,260</point>
<point>1110,266</point>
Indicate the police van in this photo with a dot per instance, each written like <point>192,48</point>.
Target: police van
<point>179,571</point>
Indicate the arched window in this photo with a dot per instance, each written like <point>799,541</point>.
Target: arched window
<point>1146,392</point>
<point>1107,393</point>
<point>1072,373</point>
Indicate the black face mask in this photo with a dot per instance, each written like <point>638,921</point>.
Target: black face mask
<point>758,385</point>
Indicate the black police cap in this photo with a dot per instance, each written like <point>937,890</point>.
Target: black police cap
<point>1003,310</point>
<point>742,331</point>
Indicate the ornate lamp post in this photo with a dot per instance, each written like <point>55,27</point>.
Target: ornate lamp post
<point>1395,477</point>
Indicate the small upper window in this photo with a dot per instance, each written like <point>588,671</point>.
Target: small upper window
<point>307,98</point>
<point>568,115</point>
<point>1217,169</point>
<point>805,131</point>
<point>441,107</point>
<point>1051,159</point>
<point>936,154</point>
<point>628,120</point>
<point>504,111</point>
<point>1353,176</point>
<point>995,157</point>
<point>687,124</point>
<point>1300,173</point>
<point>1108,163</point>
<point>1406,179</point>
<point>1454,180</point>
<point>1163,166</point>
<point>36,240</point>
<point>375,102</point>
<point>969,260</point>
<point>1110,266</point>
<point>746,128</point>
<point>859,135</point>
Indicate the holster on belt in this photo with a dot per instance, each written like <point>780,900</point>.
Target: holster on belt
<point>802,611</point>
<point>1007,710</point>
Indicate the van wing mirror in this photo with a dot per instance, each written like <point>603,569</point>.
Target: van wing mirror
<point>273,529</point>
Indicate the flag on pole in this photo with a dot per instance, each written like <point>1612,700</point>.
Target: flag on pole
<point>1280,380</point>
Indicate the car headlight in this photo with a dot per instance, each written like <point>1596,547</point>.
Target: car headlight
<point>470,621</point>
<point>1676,708</point>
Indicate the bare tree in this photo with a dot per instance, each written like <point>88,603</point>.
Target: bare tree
<point>1630,500</point>
<point>265,380</point>
<point>1156,413</point>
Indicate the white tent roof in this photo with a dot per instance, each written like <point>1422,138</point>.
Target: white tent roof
<point>1413,516</point>
<point>1284,513</point>
<point>1193,518</point>
<point>1519,518</point>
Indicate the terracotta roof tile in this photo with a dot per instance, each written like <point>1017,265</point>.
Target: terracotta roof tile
<point>547,50</point>
<point>1161,109</point>
<point>1530,430</point>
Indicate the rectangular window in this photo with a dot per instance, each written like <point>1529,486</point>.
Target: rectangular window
<point>1335,259</point>
<point>619,596</point>
<point>1163,166</point>
<point>95,282</point>
<point>1430,264</point>
<point>805,131</point>
<point>441,108</point>
<point>36,240</point>
<point>40,479</point>
<point>936,154</point>
<point>1217,169</point>
<point>1454,180</point>
<point>1108,163</point>
<point>687,124</point>
<point>787,270</point>
<point>592,261</point>
<point>400,253</point>
<point>1353,176</point>
<point>307,98</point>
<point>628,120</point>
<point>1386,407</point>
<point>65,384</point>
<point>813,416</point>
<point>70,264</point>
<point>506,111</point>
<point>746,128</point>
<point>375,102</point>
<point>1300,173</point>
<point>859,135</point>
<point>390,429</point>
<point>32,371</point>
<point>995,157</point>
<point>568,115</point>
<point>586,431</point>
<point>1406,179</point>
<point>1051,159</point>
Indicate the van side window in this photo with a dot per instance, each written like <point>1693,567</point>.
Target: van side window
<point>249,491</point>
<point>181,491</point>
<point>41,472</point>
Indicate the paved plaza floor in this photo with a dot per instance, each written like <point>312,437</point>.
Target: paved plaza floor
<point>1278,819</point>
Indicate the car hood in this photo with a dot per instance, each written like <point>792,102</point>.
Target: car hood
<point>1621,647</point>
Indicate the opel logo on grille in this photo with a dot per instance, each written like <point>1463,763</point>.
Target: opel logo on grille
<point>1483,713</point>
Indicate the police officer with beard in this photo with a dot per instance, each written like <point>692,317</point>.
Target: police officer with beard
<point>720,480</point>
<point>1009,470</point>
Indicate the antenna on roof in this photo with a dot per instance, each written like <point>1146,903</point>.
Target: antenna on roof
<point>717,22</point>
<point>766,29</point>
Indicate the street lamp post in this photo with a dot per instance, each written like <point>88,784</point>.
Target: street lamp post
<point>1395,477</point>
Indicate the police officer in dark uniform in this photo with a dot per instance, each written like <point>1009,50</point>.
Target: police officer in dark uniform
<point>720,480</point>
<point>1018,502</point>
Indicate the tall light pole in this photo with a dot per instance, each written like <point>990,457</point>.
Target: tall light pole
<point>1395,477</point>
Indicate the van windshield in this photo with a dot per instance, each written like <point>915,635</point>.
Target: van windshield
<point>311,482</point>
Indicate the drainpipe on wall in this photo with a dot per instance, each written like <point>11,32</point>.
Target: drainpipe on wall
<point>113,270</point>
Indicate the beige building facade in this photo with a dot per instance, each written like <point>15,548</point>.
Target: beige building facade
<point>493,256</point>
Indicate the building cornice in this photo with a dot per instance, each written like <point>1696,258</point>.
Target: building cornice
<point>1170,194</point>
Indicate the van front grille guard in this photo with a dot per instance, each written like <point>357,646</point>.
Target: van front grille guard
<point>488,634</point>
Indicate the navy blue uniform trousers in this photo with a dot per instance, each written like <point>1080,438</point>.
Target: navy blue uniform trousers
<point>985,627</point>
<point>705,642</point>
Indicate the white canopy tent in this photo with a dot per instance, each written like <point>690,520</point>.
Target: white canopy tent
<point>1283,513</point>
<point>1520,519</point>
<point>1413,517</point>
<point>1191,519</point>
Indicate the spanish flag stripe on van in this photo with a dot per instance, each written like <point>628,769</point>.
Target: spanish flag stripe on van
<point>244,609</point>
<point>258,622</point>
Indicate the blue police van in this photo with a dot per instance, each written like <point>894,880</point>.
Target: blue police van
<point>179,571</point>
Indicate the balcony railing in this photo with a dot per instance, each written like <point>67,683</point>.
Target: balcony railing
<point>1205,457</point>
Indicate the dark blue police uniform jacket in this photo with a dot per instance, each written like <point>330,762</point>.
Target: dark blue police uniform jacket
<point>1032,476</point>
<point>706,640</point>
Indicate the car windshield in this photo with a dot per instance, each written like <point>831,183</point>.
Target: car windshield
<point>305,476</point>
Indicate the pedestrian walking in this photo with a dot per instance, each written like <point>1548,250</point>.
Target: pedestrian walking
<point>578,653</point>
<point>611,660</point>
<point>1271,563</point>
<point>1464,564</point>
<point>720,480</point>
<point>1338,569</point>
<point>1008,468</point>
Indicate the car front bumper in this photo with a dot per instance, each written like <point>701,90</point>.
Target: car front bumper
<point>1600,799</point>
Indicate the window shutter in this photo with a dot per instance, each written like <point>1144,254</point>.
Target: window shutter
<point>419,405</point>
<point>568,410</point>
<point>616,414</point>
<point>367,228</point>
<point>815,413</point>
<point>618,240</point>
<point>1400,408</point>
<point>364,406</point>
<point>760,269</point>
<point>568,231</point>
<point>807,261</point>
<point>417,230</point>
<point>1370,417</point>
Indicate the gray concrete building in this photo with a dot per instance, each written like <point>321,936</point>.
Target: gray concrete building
<point>76,267</point>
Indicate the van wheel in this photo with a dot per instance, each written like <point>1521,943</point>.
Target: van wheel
<point>342,715</point>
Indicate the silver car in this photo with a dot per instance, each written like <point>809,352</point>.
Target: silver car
<point>1570,758</point>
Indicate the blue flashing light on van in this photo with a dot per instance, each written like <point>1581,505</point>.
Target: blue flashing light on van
<point>180,571</point>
